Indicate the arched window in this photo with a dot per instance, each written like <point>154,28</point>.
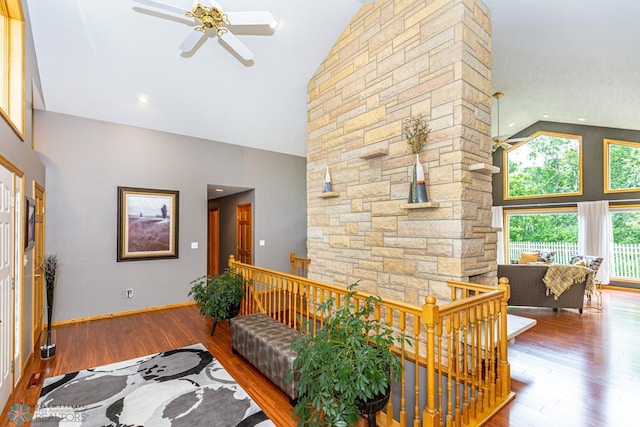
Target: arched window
<point>547,165</point>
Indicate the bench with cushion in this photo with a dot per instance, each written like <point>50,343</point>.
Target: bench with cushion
<point>266,344</point>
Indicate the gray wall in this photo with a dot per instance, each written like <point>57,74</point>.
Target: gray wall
<point>20,154</point>
<point>592,171</point>
<point>592,164</point>
<point>86,160</point>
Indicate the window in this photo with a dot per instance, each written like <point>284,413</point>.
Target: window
<point>542,230</point>
<point>547,165</point>
<point>625,226</point>
<point>621,166</point>
<point>12,64</point>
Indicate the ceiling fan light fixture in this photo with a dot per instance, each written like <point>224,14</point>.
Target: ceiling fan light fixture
<point>209,17</point>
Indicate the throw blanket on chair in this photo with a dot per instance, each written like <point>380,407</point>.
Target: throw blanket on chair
<point>559,278</point>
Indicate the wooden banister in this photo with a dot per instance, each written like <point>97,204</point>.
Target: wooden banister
<point>458,349</point>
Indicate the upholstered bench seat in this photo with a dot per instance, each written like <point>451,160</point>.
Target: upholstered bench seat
<point>266,344</point>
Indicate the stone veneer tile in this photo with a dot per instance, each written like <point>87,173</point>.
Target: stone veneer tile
<point>399,58</point>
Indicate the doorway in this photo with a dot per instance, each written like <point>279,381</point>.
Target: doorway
<point>244,235</point>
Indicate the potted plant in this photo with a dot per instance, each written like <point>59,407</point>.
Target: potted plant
<point>346,366</point>
<point>218,296</point>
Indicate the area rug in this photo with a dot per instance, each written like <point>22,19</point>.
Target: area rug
<point>182,387</point>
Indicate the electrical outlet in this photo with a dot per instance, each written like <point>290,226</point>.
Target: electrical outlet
<point>129,293</point>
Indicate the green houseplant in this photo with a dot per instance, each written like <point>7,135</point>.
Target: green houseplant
<point>347,364</point>
<point>218,296</point>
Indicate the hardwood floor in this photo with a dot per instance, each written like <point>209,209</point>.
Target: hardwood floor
<point>569,370</point>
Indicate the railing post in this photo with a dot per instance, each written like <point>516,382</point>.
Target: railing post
<point>232,260</point>
<point>505,369</point>
<point>292,256</point>
<point>430,317</point>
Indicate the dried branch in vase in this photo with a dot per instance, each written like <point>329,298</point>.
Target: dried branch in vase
<point>416,129</point>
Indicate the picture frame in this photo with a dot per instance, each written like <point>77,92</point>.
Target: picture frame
<point>30,223</point>
<point>147,224</point>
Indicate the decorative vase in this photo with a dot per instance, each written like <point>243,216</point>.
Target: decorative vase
<point>418,189</point>
<point>47,346</point>
<point>327,182</point>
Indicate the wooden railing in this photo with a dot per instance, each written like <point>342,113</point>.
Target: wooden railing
<point>299,266</point>
<point>455,368</point>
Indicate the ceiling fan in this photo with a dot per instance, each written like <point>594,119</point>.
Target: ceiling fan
<point>498,141</point>
<point>211,17</point>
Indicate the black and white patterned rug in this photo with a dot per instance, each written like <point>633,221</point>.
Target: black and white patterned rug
<point>182,387</point>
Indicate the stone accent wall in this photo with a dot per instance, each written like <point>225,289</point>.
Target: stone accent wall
<point>399,58</point>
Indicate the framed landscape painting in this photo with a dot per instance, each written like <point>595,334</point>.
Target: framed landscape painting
<point>30,223</point>
<point>147,224</point>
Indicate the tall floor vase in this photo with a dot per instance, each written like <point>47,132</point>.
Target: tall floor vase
<point>47,344</point>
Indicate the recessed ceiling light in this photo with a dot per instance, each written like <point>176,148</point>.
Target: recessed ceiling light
<point>582,119</point>
<point>219,190</point>
<point>545,116</point>
<point>510,125</point>
<point>143,98</point>
<point>274,23</point>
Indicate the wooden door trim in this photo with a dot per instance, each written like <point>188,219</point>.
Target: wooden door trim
<point>36,330</point>
<point>213,241</point>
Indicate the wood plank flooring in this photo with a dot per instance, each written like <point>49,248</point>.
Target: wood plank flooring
<point>569,370</point>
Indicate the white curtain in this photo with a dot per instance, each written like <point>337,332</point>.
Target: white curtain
<point>497,221</point>
<point>594,234</point>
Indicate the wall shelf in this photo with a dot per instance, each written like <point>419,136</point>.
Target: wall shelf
<point>329,194</point>
<point>427,205</point>
<point>484,168</point>
<point>376,153</point>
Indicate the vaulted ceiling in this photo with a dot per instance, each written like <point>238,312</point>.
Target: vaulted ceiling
<point>569,61</point>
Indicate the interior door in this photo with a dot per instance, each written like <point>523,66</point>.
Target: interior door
<point>6,276</point>
<point>38,260</point>
<point>18,284</point>
<point>244,235</point>
<point>213,247</point>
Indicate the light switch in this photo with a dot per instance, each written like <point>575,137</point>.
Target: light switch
<point>194,245</point>
<point>262,242</point>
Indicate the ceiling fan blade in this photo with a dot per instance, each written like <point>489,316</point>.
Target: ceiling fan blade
<point>190,41</point>
<point>518,139</point>
<point>234,43</point>
<point>251,18</point>
<point>212,3</point>
<point>166,5</point>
